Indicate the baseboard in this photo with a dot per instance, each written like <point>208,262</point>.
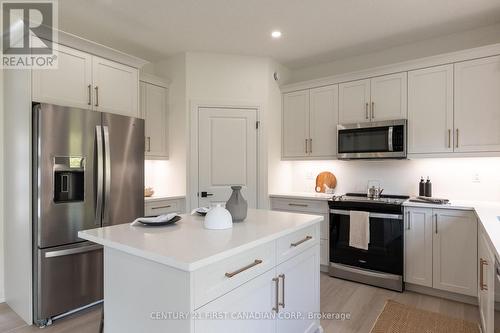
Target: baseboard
<point>442,294</point>
<point>324,268</point>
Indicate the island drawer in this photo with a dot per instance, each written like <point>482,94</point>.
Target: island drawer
<point>221,277</point>
<point>296,242</point>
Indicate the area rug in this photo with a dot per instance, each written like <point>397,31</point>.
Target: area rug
<point>400,318</point>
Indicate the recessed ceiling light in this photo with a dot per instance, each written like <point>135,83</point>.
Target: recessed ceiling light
<point>276,34</point>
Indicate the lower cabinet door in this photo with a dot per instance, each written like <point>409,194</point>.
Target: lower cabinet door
<point>299,293</point>
<point>486,283</point>
<point>418,246</point>
<point>246,309</point>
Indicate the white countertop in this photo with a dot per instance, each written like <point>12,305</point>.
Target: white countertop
<point>188,246</point>
<point>161,198</point>
<point>302,195</point>
<point>487,213</point>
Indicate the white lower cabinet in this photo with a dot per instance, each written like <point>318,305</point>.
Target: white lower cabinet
<point>441,249</point>
<point>309,206</point>
<point>284,298</point>
<point>486,283</point>
<point>155,207</point>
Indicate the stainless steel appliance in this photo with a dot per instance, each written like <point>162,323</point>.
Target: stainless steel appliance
<point>382,263</point>
<point>383,139</point>
<point>88,172</point>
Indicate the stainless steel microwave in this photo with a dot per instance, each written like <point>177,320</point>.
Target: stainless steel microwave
<point>374,140</point>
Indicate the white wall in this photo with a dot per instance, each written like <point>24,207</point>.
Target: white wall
<point>455,42</point>
<point>451,177</point>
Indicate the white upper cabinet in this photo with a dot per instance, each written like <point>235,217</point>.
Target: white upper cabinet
<point>430,110</point>
<point>153,101</point>
<point>389,97</point>
<point>455,251</point>
<point>116,87</point>
<point>377,99</point>
<point>295,124</point>
<point>354,102</point>
<point>68,85</point>
<point>477,105</point>
<point>418,246</point>
<point>323,121</point>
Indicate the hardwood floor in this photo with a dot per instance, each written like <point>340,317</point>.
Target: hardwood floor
<point>363,303</point>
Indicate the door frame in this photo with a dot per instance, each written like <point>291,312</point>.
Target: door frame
<point>193,153</point>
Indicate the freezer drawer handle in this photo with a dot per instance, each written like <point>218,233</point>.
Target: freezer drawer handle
<point>83,249</point>
<point>161,207</point>
<point>300,241</point>
<point>255,263</point>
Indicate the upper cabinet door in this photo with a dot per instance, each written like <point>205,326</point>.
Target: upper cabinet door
<point>69,84</point>
<point>323,121</point>
<point>156,121</point>
<point>296,124</point>
<point>354,102</point>
<point>389,97</point>
<point>116,87</point>
<point>430,110</point>
<point>477,105</point>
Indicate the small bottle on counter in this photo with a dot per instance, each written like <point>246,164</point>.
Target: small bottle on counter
<point>421,187</point>
<point>428,188</point>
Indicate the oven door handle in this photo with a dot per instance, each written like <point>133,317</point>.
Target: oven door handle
<point>374,215</point>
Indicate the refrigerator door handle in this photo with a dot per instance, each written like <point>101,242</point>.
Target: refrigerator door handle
<point>100,175</point>
<point>107,175</point>
<point>77,250</point>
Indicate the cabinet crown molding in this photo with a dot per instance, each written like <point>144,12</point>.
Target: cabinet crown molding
<point>153,79</point>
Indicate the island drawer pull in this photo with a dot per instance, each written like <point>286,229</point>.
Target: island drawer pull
<point>298,205</point>
<point>277,294</point>
<point>301,241</point>
<point>282,303</point>
<point>160,207</point>
<point>255,263</point>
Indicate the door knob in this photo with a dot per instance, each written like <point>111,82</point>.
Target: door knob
<point>205,194</point>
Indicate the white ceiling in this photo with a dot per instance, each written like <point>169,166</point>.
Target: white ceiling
<point>314,31</point>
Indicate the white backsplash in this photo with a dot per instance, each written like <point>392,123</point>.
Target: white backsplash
<point>157,175</point>
<point>454,178</point>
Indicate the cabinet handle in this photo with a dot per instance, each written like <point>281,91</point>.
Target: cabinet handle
<point>306,146</point>
<point>90,94</point>
<point>366,110</point>
<point>408,227</point>
<point>255,263</point>
<point>449,138</point>
<point>282,277</point>
<point>482,285</point>
<point>277,294</point>
<point>373,110</point>
<point>297,205</point>
<point>457,138</point>
<point>161,207</point>
<point>300,241</point>
<point>149,144</point>
<point>96,96</point>
<point>436,218</point>
<point>310,146</point>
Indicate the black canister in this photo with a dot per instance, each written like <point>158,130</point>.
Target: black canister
<point>421,187</point>
<point>428,188</point>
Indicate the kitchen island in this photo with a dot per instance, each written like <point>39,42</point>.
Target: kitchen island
<point>260,276</point>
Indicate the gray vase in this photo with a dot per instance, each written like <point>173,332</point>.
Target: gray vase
<point>237,205</point>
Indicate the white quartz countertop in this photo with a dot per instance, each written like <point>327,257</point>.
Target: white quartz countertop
<point>487,213</point>
<point>188,246</point>
<point>302,195</point>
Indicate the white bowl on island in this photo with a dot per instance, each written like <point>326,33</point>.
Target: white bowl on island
<point>218,218</point>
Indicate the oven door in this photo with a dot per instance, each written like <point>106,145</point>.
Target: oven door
<point>385,249</point>
<point>372,140</point>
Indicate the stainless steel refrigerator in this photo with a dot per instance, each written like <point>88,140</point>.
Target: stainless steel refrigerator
<point>88,172</point>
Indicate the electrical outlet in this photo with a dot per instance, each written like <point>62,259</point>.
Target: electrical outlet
<point>476,178</point>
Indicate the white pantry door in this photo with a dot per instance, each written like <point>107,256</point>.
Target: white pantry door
<point>227,143</point>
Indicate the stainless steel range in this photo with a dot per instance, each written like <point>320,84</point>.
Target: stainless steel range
<point>380,263</point>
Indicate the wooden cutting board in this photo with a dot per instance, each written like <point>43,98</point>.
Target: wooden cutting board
<point>325,178</point>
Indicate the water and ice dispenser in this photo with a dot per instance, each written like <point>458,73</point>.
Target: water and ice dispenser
<point>69,179</point>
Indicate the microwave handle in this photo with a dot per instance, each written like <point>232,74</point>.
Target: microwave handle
<point>389,138</point>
